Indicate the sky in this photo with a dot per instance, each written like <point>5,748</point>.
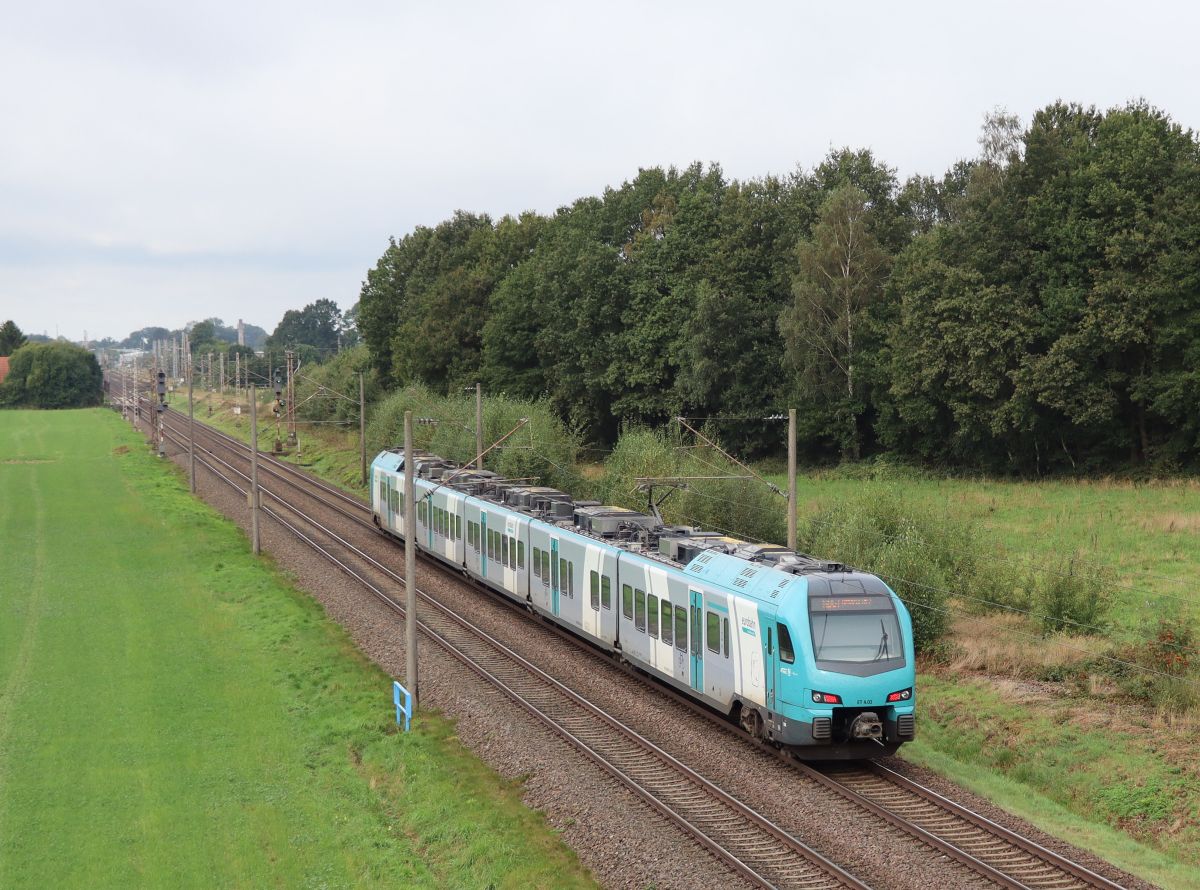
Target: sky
<point>163,162</point>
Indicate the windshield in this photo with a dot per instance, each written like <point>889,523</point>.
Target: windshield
<point>858,637</point>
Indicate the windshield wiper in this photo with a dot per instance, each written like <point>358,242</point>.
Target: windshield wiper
<point>882,653</point>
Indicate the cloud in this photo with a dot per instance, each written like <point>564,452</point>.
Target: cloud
<point>259,155</point>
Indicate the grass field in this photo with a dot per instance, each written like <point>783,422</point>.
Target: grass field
<point>173,713</point>
<point>1147,533</point>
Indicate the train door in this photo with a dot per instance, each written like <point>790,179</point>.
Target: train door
<point>483,543</point>
<point>554,579</point>
<point>769,675</point>
<point>384,501</point>
<point>697,641</point>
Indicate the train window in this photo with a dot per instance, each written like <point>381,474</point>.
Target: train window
<point>422,513</point>
<point>639,610</point>
<point>666,622</point>
<point>725,627</point>
<point>571,580</point>
<point>606,592</point>
<point>383,492</point>
<point>520,554</point>
<point>681,628</point>
<point>492,545</point>
<point>697,644</point>
<point>537,562</point>
<point>769,649</point>
<point>713,631</point>
<point>627,601</point>
<point>504,550</point>
<point>652,616</point>
<point>594,590</point>
<point>399,502</point>
<point>458,526</point>
<point>562,576</point>
<point>545,567</point>
<point>786,654</point>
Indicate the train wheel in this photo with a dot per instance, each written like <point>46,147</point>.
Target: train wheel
<point>751,721</point>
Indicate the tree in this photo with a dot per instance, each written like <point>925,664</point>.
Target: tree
<point>317,324</point>
<point>840,273</point>
<point>52,375</point>
<point>11,338</point>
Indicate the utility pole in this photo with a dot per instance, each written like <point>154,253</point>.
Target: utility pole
<point>191,429</point>
<point>222,373</point>
<point>362,426</point>
<point>791,500</point>
<point>410,564</point>
<point>237,376</point>
<point>478,425</point>
<point>254,540</point>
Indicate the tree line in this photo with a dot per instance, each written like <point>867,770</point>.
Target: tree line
<point>1035,308</point>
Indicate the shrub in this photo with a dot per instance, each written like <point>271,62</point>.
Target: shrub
<point>1068,600</point>
<point>544,449</point>
<point>737,505</point>
<point>52,375</point>
<point>330,391</point>
<point>1159,667</point>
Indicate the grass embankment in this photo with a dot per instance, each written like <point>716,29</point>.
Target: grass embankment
<point>174,713</point>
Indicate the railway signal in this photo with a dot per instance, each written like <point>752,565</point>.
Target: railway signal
<point>160,386</point>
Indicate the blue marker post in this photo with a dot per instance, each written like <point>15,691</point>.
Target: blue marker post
<point>404,709</point>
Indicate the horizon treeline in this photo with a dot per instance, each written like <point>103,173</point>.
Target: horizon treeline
<point>1034,308</point>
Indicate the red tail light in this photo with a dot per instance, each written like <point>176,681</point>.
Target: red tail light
<point>826,698</point>
<point>901,695</point>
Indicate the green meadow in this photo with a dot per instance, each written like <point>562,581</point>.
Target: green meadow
<point>174,713</point>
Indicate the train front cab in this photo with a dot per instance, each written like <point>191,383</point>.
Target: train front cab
<point>842,669</point>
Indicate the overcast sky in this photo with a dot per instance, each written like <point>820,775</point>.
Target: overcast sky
<point>165,162</point>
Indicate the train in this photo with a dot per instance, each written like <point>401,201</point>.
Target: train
<point>809,655</point>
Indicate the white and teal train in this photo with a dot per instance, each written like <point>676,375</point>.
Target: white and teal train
<point>810,655</point>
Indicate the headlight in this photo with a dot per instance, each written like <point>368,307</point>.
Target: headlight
<point>826,698</point>
<point>900,695</point>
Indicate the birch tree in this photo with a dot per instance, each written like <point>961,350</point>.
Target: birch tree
<point>840,273</point>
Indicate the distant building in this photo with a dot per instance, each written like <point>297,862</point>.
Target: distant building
<point>3,367</point>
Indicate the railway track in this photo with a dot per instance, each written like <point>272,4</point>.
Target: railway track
<point>998,854</point>
<point>743,839</point>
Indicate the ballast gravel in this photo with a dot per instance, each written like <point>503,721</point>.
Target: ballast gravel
<point>618,837</point>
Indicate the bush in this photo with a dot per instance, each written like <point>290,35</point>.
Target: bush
<point>330,391</point>
<point>544,449</point>
<point>744,507</point>
<point>1068,600</point>
<point>922,556</point>
<point>52,375</point>
<point>1159,667</point>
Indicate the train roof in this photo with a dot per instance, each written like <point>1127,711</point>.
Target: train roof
<point>763,571</point>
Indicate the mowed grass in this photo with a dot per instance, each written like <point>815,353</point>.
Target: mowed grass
<point>173,713</point>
